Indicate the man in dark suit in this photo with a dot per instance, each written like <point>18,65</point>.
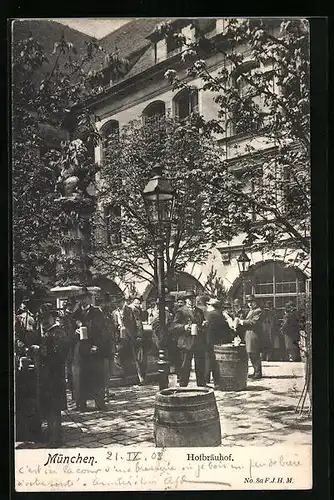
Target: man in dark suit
<point>217,332</point>
<point>290,329</point>
<point>188,326</point>
<point>90,350</point>
<point>253,329</point>
<point>126,334</point>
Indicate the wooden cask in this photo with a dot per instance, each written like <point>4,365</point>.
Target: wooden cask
<point>232,364</point>
<point>186,417</point>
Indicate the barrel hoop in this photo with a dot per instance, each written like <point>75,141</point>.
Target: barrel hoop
<point>181,404</point>
<point>206,423</point>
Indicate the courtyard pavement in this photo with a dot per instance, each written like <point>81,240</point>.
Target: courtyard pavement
<point>262,415</point>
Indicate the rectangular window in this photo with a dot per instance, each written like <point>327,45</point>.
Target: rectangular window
<point>112,217</point>
<point>173,45</point>
<point>263,288</point>
<point>186,103</point>
<point>286,287</point>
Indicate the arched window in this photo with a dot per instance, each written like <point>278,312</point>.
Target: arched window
<point>186,103</point>
<point>272,282</point>
<point>154,111</point>
<point>109,131</point>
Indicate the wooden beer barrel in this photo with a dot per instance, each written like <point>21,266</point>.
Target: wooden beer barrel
<point>186,417</point>
<point>232,364</point>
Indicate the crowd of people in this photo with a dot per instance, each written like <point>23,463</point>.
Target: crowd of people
<point>75,347</point>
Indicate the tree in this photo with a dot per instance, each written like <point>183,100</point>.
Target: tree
<point>48,92</point>
<point>261,89</point>
<point>190,160</point>
<point>214,286</point>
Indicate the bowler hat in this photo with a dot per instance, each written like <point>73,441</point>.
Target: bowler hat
<point>189,294</point>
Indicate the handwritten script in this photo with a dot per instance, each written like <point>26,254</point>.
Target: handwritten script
<point>120,469</point>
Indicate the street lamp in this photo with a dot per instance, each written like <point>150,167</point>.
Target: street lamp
<point>243,262</point>
<point>158,197</point>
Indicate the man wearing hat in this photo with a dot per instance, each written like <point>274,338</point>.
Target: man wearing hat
<point>54,348</point>
<point>126,334</point>
<point>290,329</point>
<point>188,326</point>
<point>90,349</point>
<point>217,332</point>
<point>141,342</point>
<point>253,328</point>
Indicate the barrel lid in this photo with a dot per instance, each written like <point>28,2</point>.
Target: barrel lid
<point>185,392</point>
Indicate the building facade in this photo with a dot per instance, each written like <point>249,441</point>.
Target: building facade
<point>140,90</point>
<point>145,92</point>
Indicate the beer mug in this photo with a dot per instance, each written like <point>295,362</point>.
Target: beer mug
<point>172,380</point>
<point>193,330</point>
<point>83,333</point>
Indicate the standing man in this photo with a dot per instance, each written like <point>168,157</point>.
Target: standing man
<point>90,351</point>
<point>271,341</point>
<point>141,343</point>
<point>253,327</point>
<point>202,303</point>
<point>53,353</point>
<point>179,303</point>
<point>188,325</point>
<point>290,330</point>
<point>126,335</point>
<point>26,350</point>
<point>217,332</point>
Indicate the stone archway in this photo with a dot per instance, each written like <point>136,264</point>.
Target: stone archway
<point>272,281</point>
<point>108,287</point>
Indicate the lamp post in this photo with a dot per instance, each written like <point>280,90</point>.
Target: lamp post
<point>243,262</point>
<point>158,197</point>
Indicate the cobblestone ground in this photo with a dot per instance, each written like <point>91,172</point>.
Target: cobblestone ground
<point>262,415</point>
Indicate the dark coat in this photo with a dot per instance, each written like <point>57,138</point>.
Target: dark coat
<point>137,314</point>
<point>53,352</point>
<point>88,367</point>
<point>253,327</point>
<point>291,325</point>
<point>217,329</point>
<point>110,329</point>
<point>270,338</point>
<point>187,342</point>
